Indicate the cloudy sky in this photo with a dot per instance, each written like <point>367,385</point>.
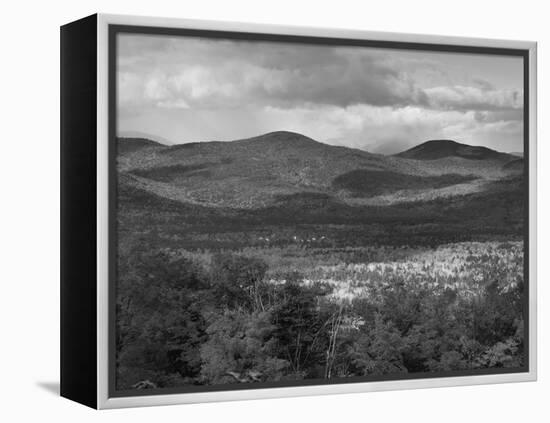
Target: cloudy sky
<point>184,89</point>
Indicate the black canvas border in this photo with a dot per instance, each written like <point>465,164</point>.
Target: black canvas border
<point>115,29</point>
<point>78,211</point>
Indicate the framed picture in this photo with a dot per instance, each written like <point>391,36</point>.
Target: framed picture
<point>254,211</point>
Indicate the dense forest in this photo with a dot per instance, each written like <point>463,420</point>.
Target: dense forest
<point>183,323</point>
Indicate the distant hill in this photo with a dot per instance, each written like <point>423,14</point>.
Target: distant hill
<point>438,149</point>
<point>128,145</point>
<point>515,165</point>
<point>257,172</point>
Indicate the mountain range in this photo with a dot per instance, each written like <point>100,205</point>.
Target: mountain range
<point>261,171</point>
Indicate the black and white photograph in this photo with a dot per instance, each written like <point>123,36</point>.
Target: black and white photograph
<point>295,212</point>
<point>244,212</point>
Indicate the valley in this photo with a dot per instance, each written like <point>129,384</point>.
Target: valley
<point>280,258</point>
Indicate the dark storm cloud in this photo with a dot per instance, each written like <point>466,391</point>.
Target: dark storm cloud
<point>353,79</point>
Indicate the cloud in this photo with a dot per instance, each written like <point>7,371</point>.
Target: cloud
<point>173,104</point>
<point>346,77</point>
<point>473,98</point>
<point>499,115</point>
<point>278,74</point>
<point>483,84</point>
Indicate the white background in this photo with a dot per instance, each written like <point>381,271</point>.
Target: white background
<point>29,175</point>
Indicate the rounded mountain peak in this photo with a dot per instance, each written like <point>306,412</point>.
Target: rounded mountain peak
<point>438,149</point>
<point>282,138</point>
